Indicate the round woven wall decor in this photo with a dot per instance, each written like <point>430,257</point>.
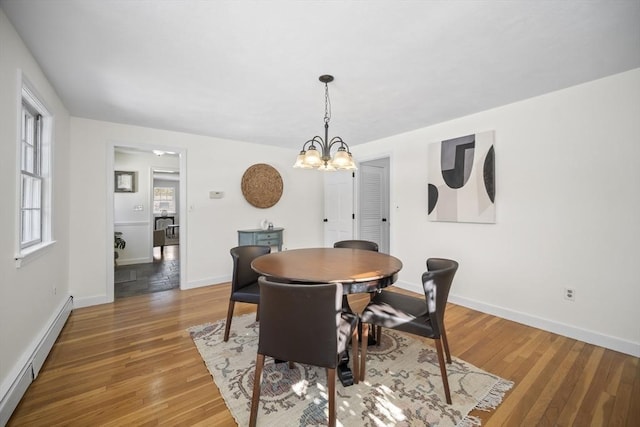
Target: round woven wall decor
<point>262,185</point>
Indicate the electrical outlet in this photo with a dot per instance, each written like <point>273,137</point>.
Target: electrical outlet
<point>569,294</point>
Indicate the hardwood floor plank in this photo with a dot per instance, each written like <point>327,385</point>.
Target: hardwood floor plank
<point>571,410</point>
<point>133,363</point>
<point>627,405</point>
<point>530,385</point>
<point>549,384</point>
<point>565,379</point>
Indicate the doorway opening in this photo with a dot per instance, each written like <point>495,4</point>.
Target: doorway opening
<point>148,219</point>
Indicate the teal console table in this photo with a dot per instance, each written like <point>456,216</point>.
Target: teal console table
<point>269,237</point>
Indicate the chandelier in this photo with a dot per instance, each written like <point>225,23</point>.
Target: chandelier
<point>316,152</point>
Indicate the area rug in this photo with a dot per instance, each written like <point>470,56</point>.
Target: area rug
<point>403,386</point>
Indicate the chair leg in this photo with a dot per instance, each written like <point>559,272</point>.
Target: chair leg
<point>331,383</point>
<point>356,359</point>
<point>227,326</point>
<point>255,399</point>
<point>443,371</point>
<point>257,313</point>
<point>378,335</point>
<point>363,351</point>
<point>445,343</point>
<point>291,365</point>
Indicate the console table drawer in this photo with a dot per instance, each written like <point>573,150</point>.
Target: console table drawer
<point>269,236</point>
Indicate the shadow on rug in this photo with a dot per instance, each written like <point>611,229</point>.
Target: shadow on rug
<point>403,386</point>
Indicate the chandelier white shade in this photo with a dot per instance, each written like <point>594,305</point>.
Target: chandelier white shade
<point>316,152</point>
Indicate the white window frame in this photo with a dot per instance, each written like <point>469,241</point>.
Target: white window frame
<point>42,173</point>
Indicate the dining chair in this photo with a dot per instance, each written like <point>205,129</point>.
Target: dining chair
<point>367,246</point>
<point>418,316</point>
<point>357,244</point>
<point>244,281</point>
<point>304,323</point>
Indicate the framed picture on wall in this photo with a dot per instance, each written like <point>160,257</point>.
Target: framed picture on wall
<point>461,174</point>
<point>125,182</point>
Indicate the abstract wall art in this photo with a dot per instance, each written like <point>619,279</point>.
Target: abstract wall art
<point>461,173</point>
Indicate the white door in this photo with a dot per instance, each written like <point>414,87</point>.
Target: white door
<point>338,207</point>
<point>373,215</point>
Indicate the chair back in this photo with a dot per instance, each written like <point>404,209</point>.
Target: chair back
<point>243,274</point>
<point>436,282</point>
<point>301,322</point>
<point>357,244</point>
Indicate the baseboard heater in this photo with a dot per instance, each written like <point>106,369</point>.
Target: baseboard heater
<point>31,369</point>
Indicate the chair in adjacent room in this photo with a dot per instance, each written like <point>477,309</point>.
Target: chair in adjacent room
<point>304,324</point>
<point>418,316</point>
<point>159,239</point>
<point>244,282</point>
<point>357,244</point>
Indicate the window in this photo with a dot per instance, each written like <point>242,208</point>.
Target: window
<point>164,200</point>
<point>35,179</point>
<point>31,177</point>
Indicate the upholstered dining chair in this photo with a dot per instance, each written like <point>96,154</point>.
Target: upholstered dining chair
<point>364,245</point>
<point>244,281</point>
<point>304,323</point>
<point>357,244</point>
<point>418,316</point>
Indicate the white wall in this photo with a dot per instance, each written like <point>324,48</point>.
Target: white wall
<point>30,296</point>
<point>210,227</point>
<point>568,212</point>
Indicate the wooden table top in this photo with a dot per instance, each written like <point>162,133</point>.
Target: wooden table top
<point>363,271</point>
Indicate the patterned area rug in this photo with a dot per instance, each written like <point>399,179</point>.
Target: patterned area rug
<point>403,385</point>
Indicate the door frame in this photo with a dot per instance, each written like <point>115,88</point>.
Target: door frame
<point>110,168</point>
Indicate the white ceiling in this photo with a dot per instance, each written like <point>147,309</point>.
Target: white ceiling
<point>248,70</point>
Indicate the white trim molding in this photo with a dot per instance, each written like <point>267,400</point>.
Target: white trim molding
<point>29,366</point>
<point>570,331</point>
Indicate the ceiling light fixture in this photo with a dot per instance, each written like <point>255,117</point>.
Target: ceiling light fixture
<point>312,157</point>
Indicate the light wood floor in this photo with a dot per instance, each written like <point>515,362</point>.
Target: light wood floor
<point>133,363</point>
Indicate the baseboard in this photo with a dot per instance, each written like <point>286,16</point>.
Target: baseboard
<point>131,261</point>
<point>591,337</point>
<point>81,302</point>
<point>16,391</point>
<point>29,370</point>
<point>206,282</point>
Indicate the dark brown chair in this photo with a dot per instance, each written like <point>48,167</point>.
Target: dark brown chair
<point>244,282</point>
<point>357,244</point>
<point>418,316</point>
<point>304,323</point>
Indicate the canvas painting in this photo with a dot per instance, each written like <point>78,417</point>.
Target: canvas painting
<point>461,174</point>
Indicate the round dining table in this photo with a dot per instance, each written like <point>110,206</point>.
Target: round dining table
<point>358,270</point>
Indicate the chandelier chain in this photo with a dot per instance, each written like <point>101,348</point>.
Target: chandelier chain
<point>327,104</point>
